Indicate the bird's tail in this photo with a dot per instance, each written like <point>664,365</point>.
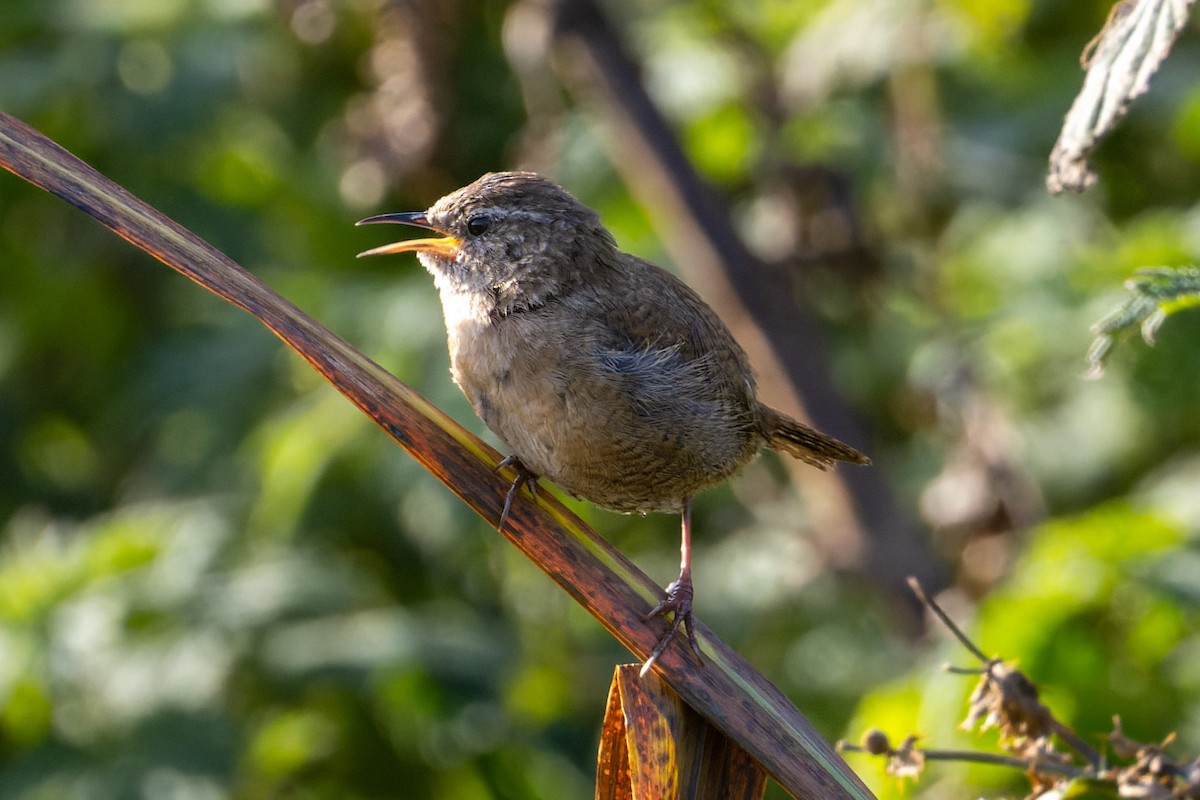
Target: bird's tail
<point>805,443</point>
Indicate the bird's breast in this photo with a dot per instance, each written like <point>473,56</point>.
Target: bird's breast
<point>629,431</point>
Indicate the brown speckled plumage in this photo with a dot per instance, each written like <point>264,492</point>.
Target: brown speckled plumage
<point>602,372</point>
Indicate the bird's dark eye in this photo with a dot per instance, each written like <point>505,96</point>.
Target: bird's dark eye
<point>478,224</point>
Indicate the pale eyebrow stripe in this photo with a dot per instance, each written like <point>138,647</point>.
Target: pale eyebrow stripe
<point>522,213</point>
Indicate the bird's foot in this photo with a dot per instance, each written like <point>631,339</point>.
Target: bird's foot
<point>678,603</point>
<point>523,477</point>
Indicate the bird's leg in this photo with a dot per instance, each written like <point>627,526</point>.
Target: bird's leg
<point>524,477</point>
<point>679,597</point>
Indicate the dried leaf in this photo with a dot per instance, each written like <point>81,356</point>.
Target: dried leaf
<point>1122,745</point>
<point>654,746</point>
<point>1005,699</point>
<point>1119,62</point>
<point>906,761</point>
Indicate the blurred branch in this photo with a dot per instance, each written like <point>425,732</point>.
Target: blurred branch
<point>853,512</point>
<point>396,126</point>
<point>1120,62</point>
<point>1155,294</point>
<point>727,691</point>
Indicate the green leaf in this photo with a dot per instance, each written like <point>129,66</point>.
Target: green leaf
<point>1155,294</point>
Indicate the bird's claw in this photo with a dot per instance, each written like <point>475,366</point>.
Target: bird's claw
<point>523,477</point>
<point>678,603</point>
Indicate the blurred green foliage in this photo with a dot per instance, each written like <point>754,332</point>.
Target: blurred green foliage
<point>218,580</point>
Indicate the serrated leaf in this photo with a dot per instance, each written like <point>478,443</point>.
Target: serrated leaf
<point>1155,294</point>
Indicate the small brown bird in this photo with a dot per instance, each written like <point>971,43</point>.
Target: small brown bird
<point>602,372</point>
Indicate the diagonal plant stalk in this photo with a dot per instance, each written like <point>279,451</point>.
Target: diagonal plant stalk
<point>727,691</point>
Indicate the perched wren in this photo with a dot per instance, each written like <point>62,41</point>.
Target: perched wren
<point>602,372</point>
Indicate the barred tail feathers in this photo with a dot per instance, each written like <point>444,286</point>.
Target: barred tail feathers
<point>807,444</point>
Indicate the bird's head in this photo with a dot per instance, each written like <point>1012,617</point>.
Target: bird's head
<point>508,234</point>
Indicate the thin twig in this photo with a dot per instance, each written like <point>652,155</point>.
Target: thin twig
<point>953,670</point>
<point>1026,764</point>
<point>995,759</point>
<point>1072,738</point>
<point>1069,736</point>
<point>915,585</point>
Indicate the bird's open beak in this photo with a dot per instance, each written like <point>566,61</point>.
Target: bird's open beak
<point>446,246</point>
